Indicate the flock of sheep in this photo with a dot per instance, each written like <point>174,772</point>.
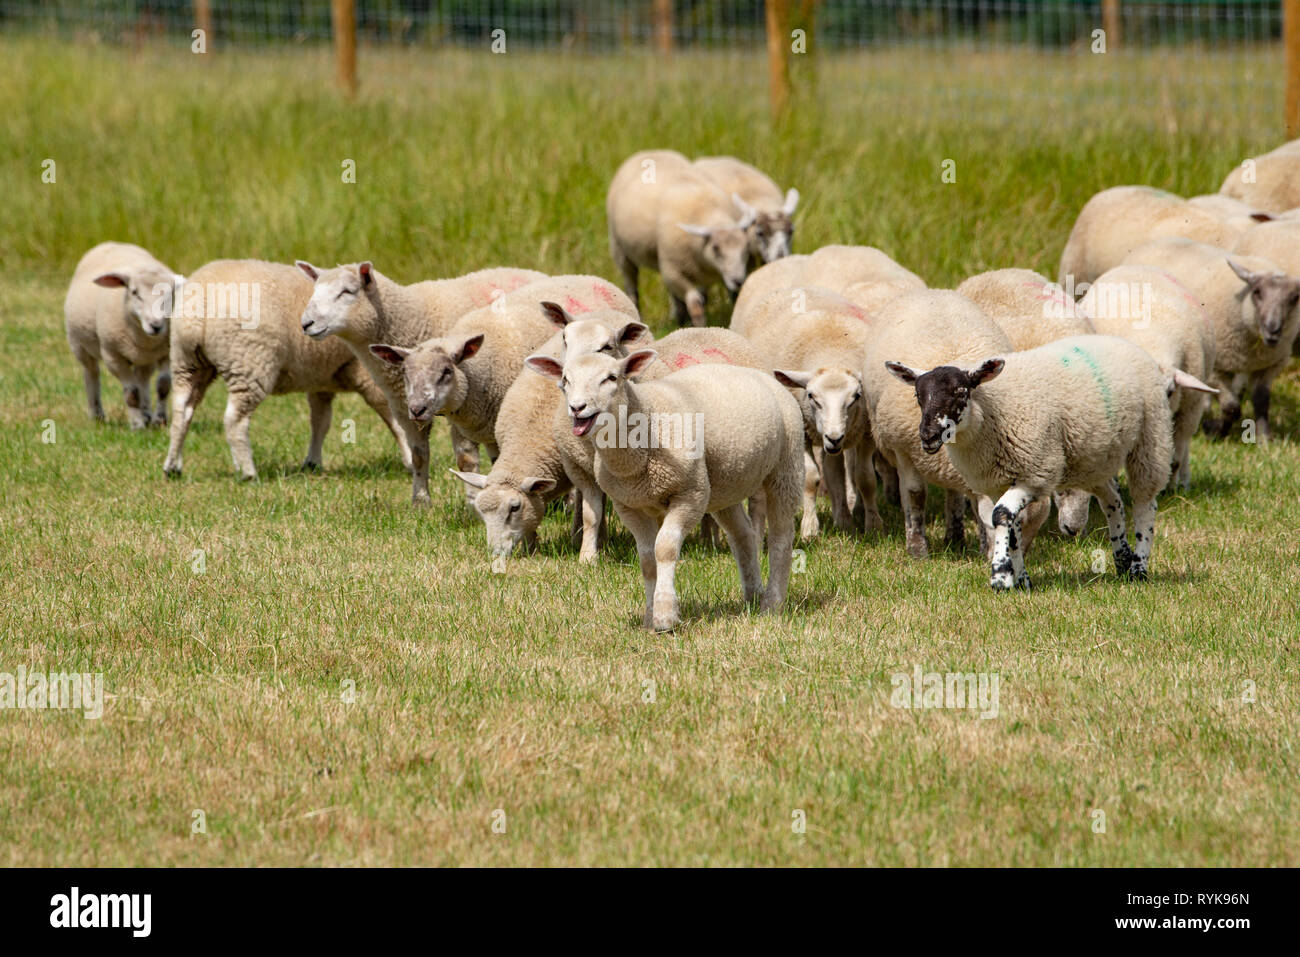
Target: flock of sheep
<point>841,369</point>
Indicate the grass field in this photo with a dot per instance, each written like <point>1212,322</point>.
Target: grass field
<point>527,693</point>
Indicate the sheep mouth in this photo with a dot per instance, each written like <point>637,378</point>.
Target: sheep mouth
<point>931,446</point>
<point>1271,341</point>
<point>582,425</point>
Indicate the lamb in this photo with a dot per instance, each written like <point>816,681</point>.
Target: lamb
<point>239,319</point>
<point>364,307</point>
<point>1069,414</point>
<point>1117,221</point>
<point>925,329</point>
<point>701,440</point>
<point>819,353</point>
<point>1270,182</point>
<point>772,227</point>
<point>117,310</point>
<point>850,271</point>
<point>1028,307</point>
<point>1153,309</point>
<point>1252,306</point>
<point>665,215</point>
<point>464,375</point>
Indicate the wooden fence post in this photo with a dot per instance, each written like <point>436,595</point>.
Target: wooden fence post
<point>1110,22</point>
<point>203,21</point>
<point>778,54</point>
<point>1291,40</point>
<point>663,29</point>
<point>344,16</point>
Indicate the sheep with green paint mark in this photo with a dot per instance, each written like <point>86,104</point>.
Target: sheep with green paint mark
<point>1067,415</point>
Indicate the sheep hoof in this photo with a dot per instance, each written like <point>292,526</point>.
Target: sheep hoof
<point>1002,581</point>
<point>1022,581</point>
<point>918,549</point>
<point>589,559</point>
<point>310,466</point>
<point>1136,572</point>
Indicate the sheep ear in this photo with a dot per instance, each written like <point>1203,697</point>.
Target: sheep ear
<point>747,212</point>
<point>110,280</point>
<point>638,362</point>
<point>1185,380</point>
<point>793,380</point>
<point>537,486</point>
<point>695,230</point>
<point>632,331</point>
<point>791,202</point>
<point>1262,217</point>
<point>906,373</point>
<point>367,270</point>
<point>472,479</point>
<point>393,355</point>
<point>545,365</point>
<point>986,370</point>
<point>468,348</point>
<point>308,269</point>
<point>1244,274</point>
<point>556,313</point>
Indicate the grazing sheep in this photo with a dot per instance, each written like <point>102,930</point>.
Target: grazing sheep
<point>772,230</point>
<point>925,329</point>
<point>364,307</point>
<point>1279,242</point>
<point>1252,305</point>
<point>1029,308</point>
<point>1069,414</point>
<point>1270,182</point>
<point>1153,309</point>
<point>819,353</point>
<point>117,310</point>
<point>1240,216</point>
<point>670,217</point>
<point>238,319</point>
<point>1118,220</point>
<point>701,440</point>
<point>850,271</point>
<point>464,374</point>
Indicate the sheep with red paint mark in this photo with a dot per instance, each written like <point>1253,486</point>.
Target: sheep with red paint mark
<point>1031,309</point>
<point>1068,415</point>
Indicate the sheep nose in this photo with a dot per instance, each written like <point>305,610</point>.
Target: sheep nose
<point>832,445</point>
<point>574,410</point>
<point>419,411</point>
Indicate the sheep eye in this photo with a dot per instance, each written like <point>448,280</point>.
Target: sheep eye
<point>610,378</point>
<point>514,507</point>
<point>445,373</point>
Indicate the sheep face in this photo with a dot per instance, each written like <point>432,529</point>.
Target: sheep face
<point>591,335</point>
<point>1272,299</point>
<point>770,232</point>
<point>834,403</point>
<point>1072,511</point>
<point>944,395</point>
<point>593,384</point>
<point>340,299</point>
<point>431,373</point>
<point>149,297</point>
<point>511,508</point>
<point>725,251</point>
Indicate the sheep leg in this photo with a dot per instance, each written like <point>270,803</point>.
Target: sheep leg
<point>695,306</point>
<point>190,387</point>
<point>592,501</point>
<point>1111,503</point>
<point>809,526</point>
<point>954,520</point>
<point>863,478</point>
<point>1007,568</point>
<point>163,386</point>
<point>321,405</point>
<point>780,546</point>
<point>90,380</point>
<point>1031,521</point>
<point>984,522</point>
<point>1187,422</point>
<point>575,530</point>
<point>744,548</point>
<point>239,411</point>
<point>134,393</point>
<point>888,478</point>
<point>353,378</point>
<point>833,473</point>
<point>758,516</point>
<point>644,529</point>
<point>709,531</point>
<point>681,515</point>
<point>418,440</point>
<point>1261,396</point>
<point>1144,530</point>
<point>912,490</point>
<point>1229,405</point>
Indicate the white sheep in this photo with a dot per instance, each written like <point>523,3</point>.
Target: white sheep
<point>1069,414</point>
<point>1279,242</point>
<point>364,307</point>
<point>239,319</point>
<point>701,440</point>
<point>1240,216</point>
<point>862,274</point>
<point>1028,307</point>
<point>117,310</point>
<point>1118,220</point>
<point>819,352</point>
<point>1252,305</point>
<point>925,329</point>
<point>464,375</point>
<point>665,215</point>
<point>1151,308</point>
<point>771,230</point>
<point>1270,182</point>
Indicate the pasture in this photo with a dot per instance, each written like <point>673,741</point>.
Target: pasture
<point>334,678</point>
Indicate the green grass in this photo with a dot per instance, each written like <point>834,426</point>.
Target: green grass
<point>524,691</point>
